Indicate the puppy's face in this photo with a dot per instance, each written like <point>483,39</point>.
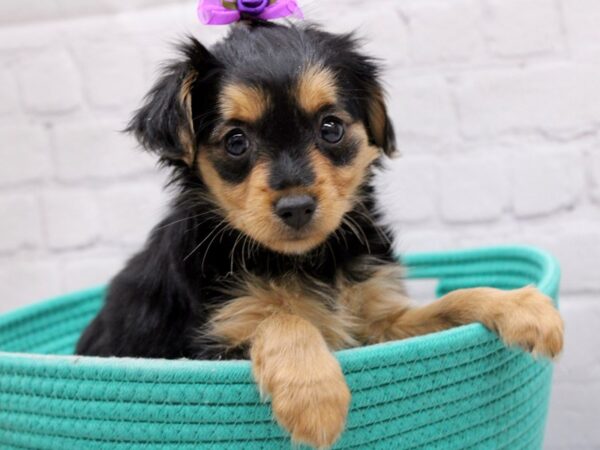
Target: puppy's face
<point>285,160</point>
<point>282,126</point>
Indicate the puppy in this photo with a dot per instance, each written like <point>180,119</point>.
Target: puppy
<point>271,249</point>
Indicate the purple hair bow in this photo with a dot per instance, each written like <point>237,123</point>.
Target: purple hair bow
<point>222,12</point>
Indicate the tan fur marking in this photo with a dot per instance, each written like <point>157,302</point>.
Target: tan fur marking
<point>186,130</point>
<point>377,117</point>
<point>237,321</point>
<point>316,88</point>
<point>338,185</point>
<point>231,197</point>
<point>242,102</point>
<point>248,206</point>
<point>523,317</point>
<point>378,302</point>
<point>292,364</point>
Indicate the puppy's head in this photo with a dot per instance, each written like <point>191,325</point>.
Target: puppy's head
<point>280,124</point>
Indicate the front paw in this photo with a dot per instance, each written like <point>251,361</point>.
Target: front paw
<point>292,364</point>
<point>531,321</point>
<point>313,413</point>
<point>310,398</point>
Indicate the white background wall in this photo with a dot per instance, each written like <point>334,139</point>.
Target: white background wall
<point>496,104</point>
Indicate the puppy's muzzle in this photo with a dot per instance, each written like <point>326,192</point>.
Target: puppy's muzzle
<point>296,211</point>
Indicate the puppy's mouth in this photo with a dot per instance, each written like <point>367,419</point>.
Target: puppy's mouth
<point>298,237</point>
<point>279,236</point>
<point>297,240</point>
<point>295,244</point>
<point>306,233</point>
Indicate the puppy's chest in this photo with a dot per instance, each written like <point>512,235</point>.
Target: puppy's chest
<point>345,314</point>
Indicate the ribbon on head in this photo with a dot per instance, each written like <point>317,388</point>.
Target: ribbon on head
<point>223,12</point>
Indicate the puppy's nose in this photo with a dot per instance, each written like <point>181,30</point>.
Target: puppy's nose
<point>296,210</point>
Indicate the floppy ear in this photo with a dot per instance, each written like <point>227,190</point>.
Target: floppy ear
<point>362,74</point>
<point>167,122</point>
<point>379,125</point>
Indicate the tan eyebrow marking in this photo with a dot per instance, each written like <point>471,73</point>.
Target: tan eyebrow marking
<point>316,88</point>
<point>243,102</point>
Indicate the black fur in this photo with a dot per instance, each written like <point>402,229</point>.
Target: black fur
<point>158,304</point>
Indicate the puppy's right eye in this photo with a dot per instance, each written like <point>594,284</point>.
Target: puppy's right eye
<point>332,130</point>
<point>236,143</point>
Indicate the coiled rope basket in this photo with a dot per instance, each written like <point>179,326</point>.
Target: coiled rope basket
<point>458,389</point>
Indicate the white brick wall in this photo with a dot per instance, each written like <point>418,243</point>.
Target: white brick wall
<point>496,104</point>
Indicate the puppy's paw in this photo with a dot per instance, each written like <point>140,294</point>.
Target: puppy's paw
<point>292,364</point>
<point>313,413</point>
<point>530,320</point>
<point>310,398</point>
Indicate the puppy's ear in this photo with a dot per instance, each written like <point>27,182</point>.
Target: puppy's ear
<point>379,125</point>
<point>366,71</point>
<point>362,73</point>
<point>167,122</point>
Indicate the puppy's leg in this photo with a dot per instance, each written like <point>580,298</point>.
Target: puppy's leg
<point>292,364</point>
<point>523,317</point>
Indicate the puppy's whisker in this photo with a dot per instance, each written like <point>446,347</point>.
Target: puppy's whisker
<point>224,226</point>
<point>208,124</point>
<point>376,227</point>
<point>357,231</point>
<point>342,234</point>
<point>350,226</point>
<point>198,225</point>
<point>332,253</point>
<point>335,236</point>
<point>232,252</point>
<point>368,216</point>
<point>251,247</point>
<point>162,227</point>
<point>362,232</point>
<point>204,240</point>
<point>244,264</point>
<point>203,115</point>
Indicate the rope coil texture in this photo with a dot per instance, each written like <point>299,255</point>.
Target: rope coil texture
<point>459,389</point>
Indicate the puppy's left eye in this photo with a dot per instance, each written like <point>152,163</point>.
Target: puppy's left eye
<point>332,130</point>
<point>236,143</point>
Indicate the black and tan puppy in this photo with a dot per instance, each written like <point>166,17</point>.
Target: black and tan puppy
<point>271,249</point>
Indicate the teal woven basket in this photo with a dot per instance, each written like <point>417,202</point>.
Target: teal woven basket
<point>459,389</point>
